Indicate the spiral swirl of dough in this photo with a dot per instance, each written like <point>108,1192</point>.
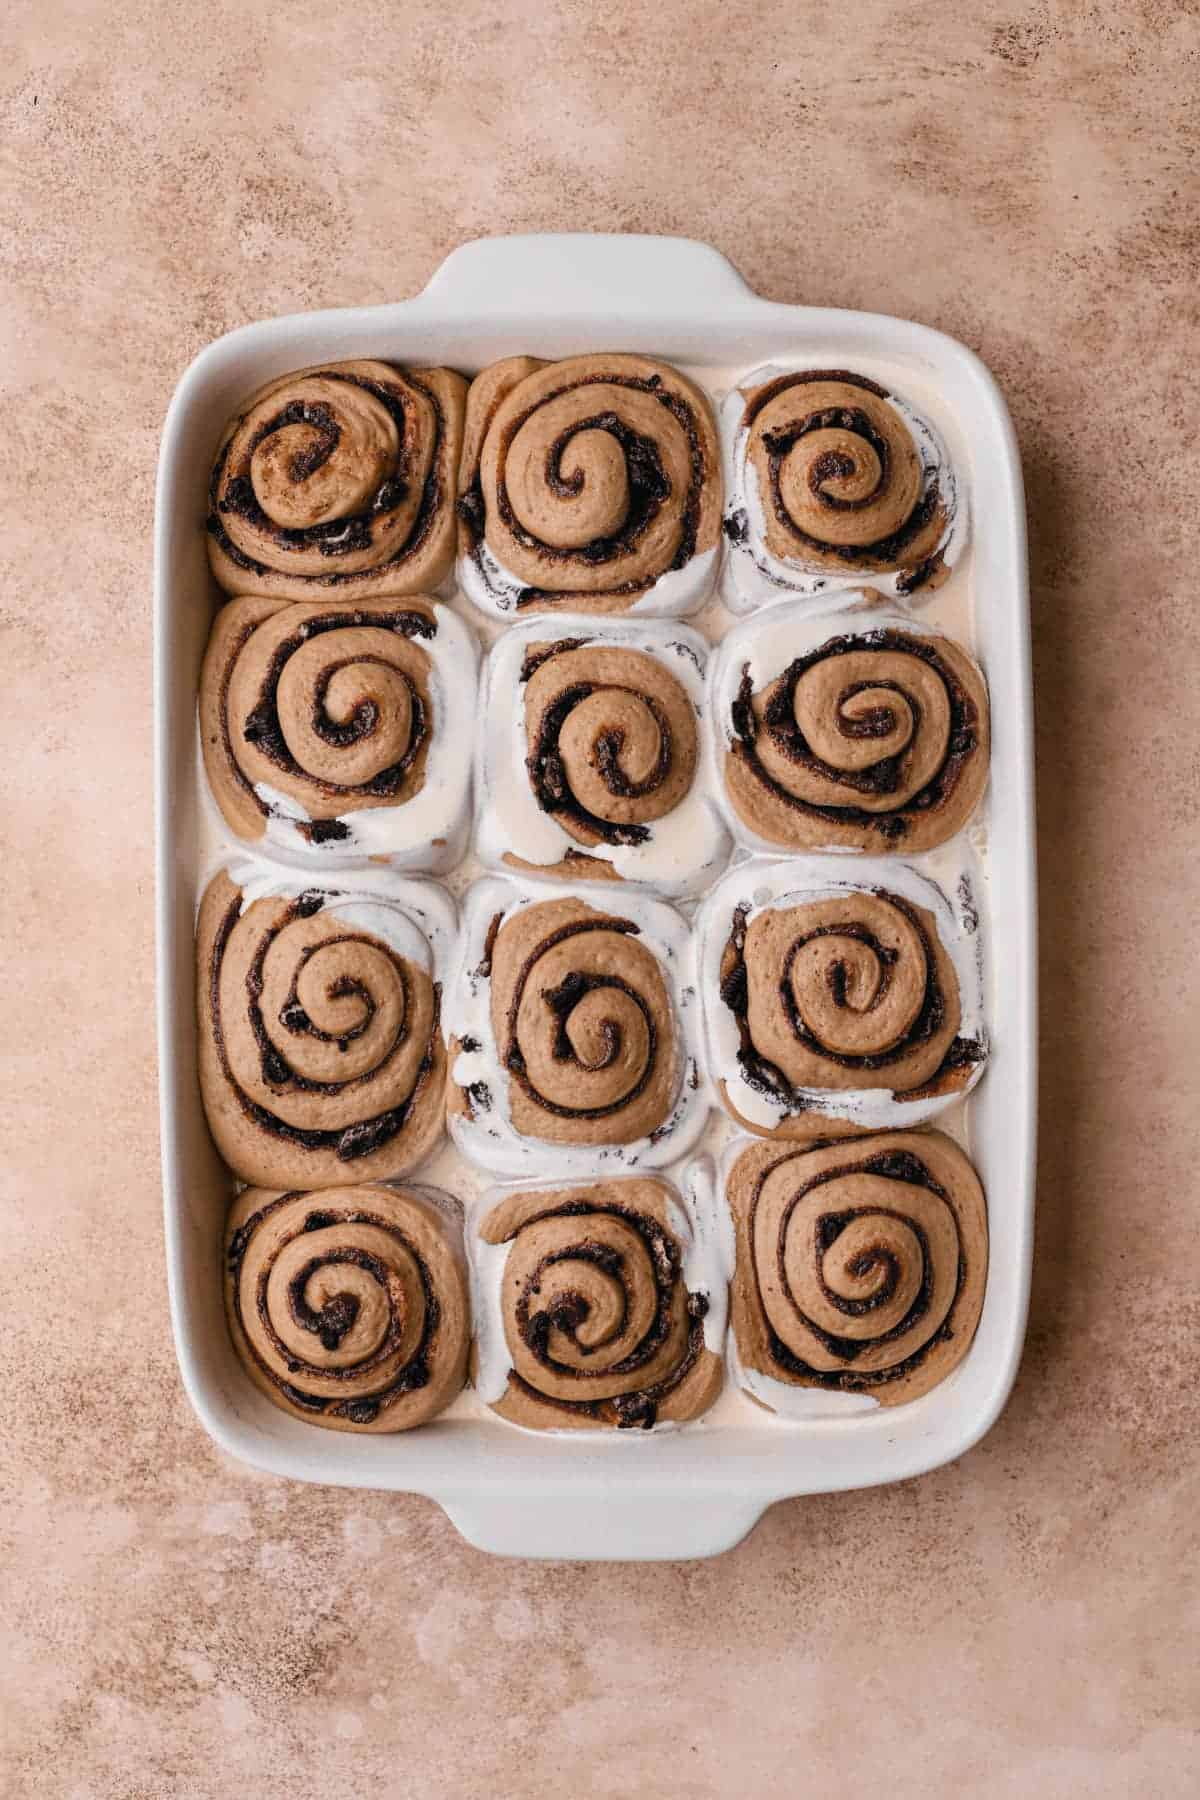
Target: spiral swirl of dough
<point>339,477</point>
<point>583,1024</point>
<point>329,705</point>
<point>841,480</point>
<point>349,1306</point>
<point>861,1265</point>
<point>878,740</point>
<point>589,479</point>
<point>321,1050</point>
<point>612,739</point>
<point>851,991</point>
<point>599,1324</point>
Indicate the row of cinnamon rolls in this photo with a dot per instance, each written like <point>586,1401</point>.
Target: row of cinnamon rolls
<point>340,1030</point>
<point>599,483</point>
<point>852,1273</point>
<point>596,750</point>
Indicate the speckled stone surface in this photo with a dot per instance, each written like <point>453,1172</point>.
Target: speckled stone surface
<point>1023,176</point>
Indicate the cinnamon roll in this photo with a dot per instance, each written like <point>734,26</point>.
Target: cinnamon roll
<point>349,1307</point>
<point>592,484</point>
<point>833,482</point>
<point>574,1042</point>
<point>590,763</point>
<point>861,1267</point>
<point>855,1000</point>
<point>339,732</point>
<point>339,480</point>
<point>321,1055</point>
<point>871,739</point>
<point>590,1314</point>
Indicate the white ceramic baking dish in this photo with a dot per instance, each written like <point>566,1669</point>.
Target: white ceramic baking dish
<point>695,1491</point>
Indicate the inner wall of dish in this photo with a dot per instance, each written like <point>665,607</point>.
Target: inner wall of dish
<point>735,1426</point>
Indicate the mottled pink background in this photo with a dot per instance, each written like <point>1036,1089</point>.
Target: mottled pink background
<point>1023,176</point>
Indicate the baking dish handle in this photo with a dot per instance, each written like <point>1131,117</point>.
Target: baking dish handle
<point>581,272</point>
<point>606,1527</point>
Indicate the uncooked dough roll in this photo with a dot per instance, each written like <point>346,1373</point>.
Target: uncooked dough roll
<point>339,480</point>
<point>592,483</point>
<point>861,1265</point>
<point>349,1307</point>
<point>597,1319</point>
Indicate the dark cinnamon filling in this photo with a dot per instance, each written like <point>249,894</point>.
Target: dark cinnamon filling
<point>561,1002</point>
<point>894,1165</point>
<point>779,723</point>
<point>337,1317</point>
<point>489,944</point>
<point>626,1411</point>
<point>232,491</point>
<point>781,384</point>
<point>533,659</point>
<point>349,1142</point>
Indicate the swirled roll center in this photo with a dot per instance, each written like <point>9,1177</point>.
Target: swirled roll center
<point>863,726</point>
<point>612,740</point>
<point>827,472</point>
<point>349,1306</point>
<point>346,712</point>
<point>584,1025</point>
<point>570,495</point>
<point>842,988</point>
<point>613,747</point>
<point>583,1292</point>
<point>591,1305</point>
<point>838,486</point>
<point>336,1303</point>
<point>327,475</point>
<point>851,989</point>
<point>574,470</point>
<point>856,1267</point>
<point>333,1011</point>
<point>323,1030</point>
<point>586,1041</point>
<point>878,738</point>
<point>582,1306</point>
<point>325,455</point>
<point>596,476</point>
<point>837,466</point>
<point>334,707</point>
<point>879,716</point>
<point>865,1282</point>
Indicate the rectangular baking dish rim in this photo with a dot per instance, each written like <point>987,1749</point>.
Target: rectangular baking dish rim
<point>682,1496</point>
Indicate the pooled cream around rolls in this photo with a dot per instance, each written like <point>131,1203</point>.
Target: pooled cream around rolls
<point>591,484</point>
<point>591,759</point>
<point>574,1032</point>
<point>833,482</point>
